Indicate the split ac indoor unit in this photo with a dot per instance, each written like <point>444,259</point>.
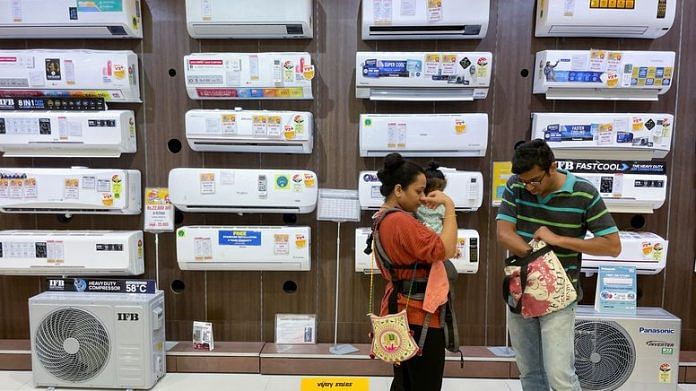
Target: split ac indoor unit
<point>71,253</point>
<point>464,187</point>
<point>627,352</point>
<point>605,136</point>
<point>70,191</point>
<point>424,19</point>
<point>60,19</point>
<point>422,76</point>
<point>270,19</point>
<point>603,74</point>
<point>243,190</point>
<point>67,133</point>
<point>601,18</point>
<point>285,75</point>
<point>255,248</point>
<point>250,131</point>
<point>626,187</point>
<point>467,244</point>
<point>644,250</point>
<point>108,74</point>
<point>456,135</point>
<point>97,340</point>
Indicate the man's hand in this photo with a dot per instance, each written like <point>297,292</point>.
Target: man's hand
<point>545,234</point>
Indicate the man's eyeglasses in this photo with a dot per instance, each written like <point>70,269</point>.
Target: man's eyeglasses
<point>533,182</point>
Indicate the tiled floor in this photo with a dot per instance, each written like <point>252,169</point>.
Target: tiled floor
<point>195,381</point>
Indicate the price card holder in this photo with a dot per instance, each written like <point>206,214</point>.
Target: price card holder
<point>338,205</point>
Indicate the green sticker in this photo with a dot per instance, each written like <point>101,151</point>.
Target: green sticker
<point>100,5</point>
<point>667,350</point>
<point>368,122</point>
<point>181,233</point>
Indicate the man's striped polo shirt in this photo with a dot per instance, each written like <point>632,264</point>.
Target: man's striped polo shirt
<point>570,211</point>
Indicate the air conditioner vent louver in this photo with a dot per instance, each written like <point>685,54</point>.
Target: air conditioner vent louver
<point>72,345</point>
<point>604,355</point>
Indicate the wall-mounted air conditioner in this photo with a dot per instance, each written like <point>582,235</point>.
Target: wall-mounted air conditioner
<point>605,136</point>
<point>67,133</point>
<point>249,20</point>
<point>603,74</point>
<point>249,75</point>
<point>108,74</point>
<point>464,187</point>
<point>243,248</point>
<point>71,253</point>
<point>21,19</point>
<point>70,191</point>
<point>644,250</point>
<point>467,243</point>
<point>456,135</point>
<point>424,19</point>
<point>97,340</point>
<point>243,190</point>
<point>250,131</point>
<point>422,76</point>
<point>626,187</point>
<point>614,19</point>
<point>623,352</point>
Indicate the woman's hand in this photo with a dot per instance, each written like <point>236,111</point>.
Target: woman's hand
<point>435,198</point>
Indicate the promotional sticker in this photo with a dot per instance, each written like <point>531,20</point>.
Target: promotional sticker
<point>432,64</point>
<point>52,69</point>
<point>107,199</point>
<point>281,182</point>
<point>207,183</point>
<point>665,373</point>
<point>288,71</point>
<point>298,124</point>
<point>259,125</point>
<point>309,180</point>
<point>159,211</point>
<point>449,64</point>
<point>274,125</point>
<point>100,5</point>
<point>4,188</point>
<point>300,241</point>
<point>434,10</point>
<point>29,186</point>
<point>308,72</point>
<point>229,124</point>
<point>71,189</point>
<point>281,244</point>
<point>481,68</point>
<point>459,126</point>
<point>116,186</point>
<point>239,238</point>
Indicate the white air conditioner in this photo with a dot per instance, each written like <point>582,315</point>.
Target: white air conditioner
<point>467,244</point>
<point>97,340</point>
<point>70,191</point>
<point>614,19</point>
<point>423,19</point>
<point>108,74</point>
<point>644,250</point>
<point>285,75</point>
<point>249,20</point>
<point>21,19</point>
<point>243,190</point>
<point>67,133</point>
<point>605,136</point>
<point>423,76</point>
<point>603,74</point>
<point>464,187</point>
<point>456,135</point>
<point>250,131</point>
<point>626,187</point>
<point>73,253</point>
<point>627,352</point>
<point>244,248</point>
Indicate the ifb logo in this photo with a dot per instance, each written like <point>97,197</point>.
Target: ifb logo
<point>128,316</point>
<point>56,284</point>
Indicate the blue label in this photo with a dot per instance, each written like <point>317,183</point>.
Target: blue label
<point>642,72</point>
<point>239,238</point>
<point>555,133</point>
<point>576,77</point>
<point>624,137</point>
<point>392,68</point>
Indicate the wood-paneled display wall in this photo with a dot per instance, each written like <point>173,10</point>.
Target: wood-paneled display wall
<point>242,305</point>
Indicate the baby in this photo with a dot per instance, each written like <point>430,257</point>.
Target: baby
<point>435,180</point>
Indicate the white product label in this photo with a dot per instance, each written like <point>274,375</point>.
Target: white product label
<point>254,68</point>
<point>71,189</point>
<point>207,183</point>
<point>89,182</point>
<point>103,185</point>
<point>55,251</point>
<point>212,125</point>
<point>16,10</point>
<point>408,8</point>
<point>206,9</point>
<point>569,8</point>
<point>281,244</point>
<point>202,248</point>
<point>30,191</point>
<point>382,11</point>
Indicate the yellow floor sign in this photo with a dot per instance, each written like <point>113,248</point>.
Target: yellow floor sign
<point>335,383</point>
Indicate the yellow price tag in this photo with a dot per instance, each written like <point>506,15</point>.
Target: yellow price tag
<point>335,383</point>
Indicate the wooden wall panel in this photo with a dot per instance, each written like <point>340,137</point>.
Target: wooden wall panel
<point>242,305</point>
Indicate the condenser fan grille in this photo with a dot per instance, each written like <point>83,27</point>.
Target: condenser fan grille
<point>604,355</point>
<point>72,345</point>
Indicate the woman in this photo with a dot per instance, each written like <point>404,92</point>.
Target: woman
<point>413,248</point>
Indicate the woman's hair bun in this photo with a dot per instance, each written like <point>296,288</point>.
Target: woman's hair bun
<point>393,161</point>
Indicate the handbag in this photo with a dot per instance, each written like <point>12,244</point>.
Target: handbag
<point>537,284</point>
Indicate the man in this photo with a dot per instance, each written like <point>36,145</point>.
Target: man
<point>546,203</point>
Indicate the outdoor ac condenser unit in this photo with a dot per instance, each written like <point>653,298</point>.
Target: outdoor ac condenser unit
<point>97,340</point>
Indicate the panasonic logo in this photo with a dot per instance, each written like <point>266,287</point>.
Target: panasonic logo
<point>647,330</point>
